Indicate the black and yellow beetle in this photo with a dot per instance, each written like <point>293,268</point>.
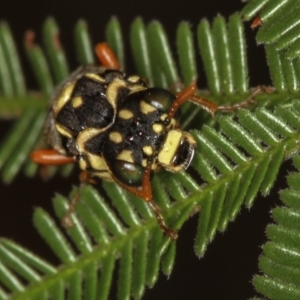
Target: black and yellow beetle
<point>119,129</point>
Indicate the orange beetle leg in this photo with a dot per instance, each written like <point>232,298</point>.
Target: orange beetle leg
<point>50,157</point>
<point>106,56</point>
<point>146,194</point>
<point>181,98</point>
<point>189,94</point>
<point>66,221</point>
<point>211,107</point>
<point>84,177</point>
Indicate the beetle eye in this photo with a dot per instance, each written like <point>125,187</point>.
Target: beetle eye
<point>184,154</point>
<point>159,98</point>
<point>128,173</point>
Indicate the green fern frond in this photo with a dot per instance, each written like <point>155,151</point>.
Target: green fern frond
<point>12,79</point>
<point>255,136</point>
<point>239,162</point>
<point>280,24</point>
<point>280,262</point>
<point>223,52</point>
<point>279,32</point>
<point>237,157</point>
<point>139,253</point>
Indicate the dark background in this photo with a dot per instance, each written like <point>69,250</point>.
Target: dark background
<point>231,260</point>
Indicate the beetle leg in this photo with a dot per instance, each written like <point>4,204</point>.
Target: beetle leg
<point>171,233</point>
<point>66,221</point>
<point>181,98</point>
<point>50,157</point>
<point>212,107</point>
<point>188,94</point>
<point>145,192</point>
<point>106,56</point>
<point>84,177</point>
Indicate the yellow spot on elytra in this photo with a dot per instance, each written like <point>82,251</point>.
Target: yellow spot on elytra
<point>146,108</point>
<point>95,77</point>
<point>126,114</point>
<point>116,137</point>
<point>133,79</point>
<point>77,101</point>
<point>126,155</point>
<point>157,128</point>
<point>148,150</point>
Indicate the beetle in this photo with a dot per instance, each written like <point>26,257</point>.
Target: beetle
<point>119,129</point>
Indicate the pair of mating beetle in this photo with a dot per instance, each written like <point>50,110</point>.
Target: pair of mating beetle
<point>119,129</point>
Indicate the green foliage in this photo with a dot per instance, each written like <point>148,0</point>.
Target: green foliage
<point>280,262</point>
<point>280,34</point>
<point>238,156</point>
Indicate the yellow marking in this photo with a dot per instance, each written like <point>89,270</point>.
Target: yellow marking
<point>157,128</point>
<point>112,91</point>
<point>148,150</point>
<point>97,162</point>
<point>154,166</point>
<point>95,77</point>
<point>63,130</point>
<point>116,137</point>
<point>99,166</point>
<point>86,135</point>
<point>136,88</point>
<point>144,163</point>
<point>126,114</point>
<point>163,117</point>
<point>190,138</point>
<point>146,108</point>
<point>168,152</point>
<point>82,164</point>
<point>64,96</point>
<point>125,155</point>
<point>133,78</point>
<point>105,176</point>
<point>77,101</point>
